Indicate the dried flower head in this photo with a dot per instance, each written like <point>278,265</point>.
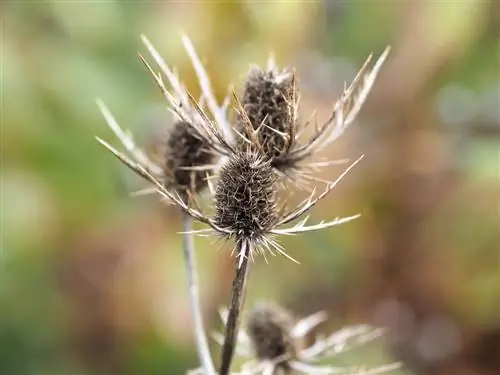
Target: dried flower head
<point>269,328</point>
<point>188,158</point>
<point>273,342</point>
<point>269,103</point>
<point>245,198</point>
<point>267,117</point>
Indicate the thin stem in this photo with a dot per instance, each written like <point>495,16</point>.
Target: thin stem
<point>194,300</point>
<point>233,319</point>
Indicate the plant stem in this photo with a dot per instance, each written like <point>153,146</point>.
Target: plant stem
<point>233,319</point>
<point>194,300</point>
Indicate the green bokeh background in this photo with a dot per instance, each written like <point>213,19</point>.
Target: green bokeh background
<point>92,280</point>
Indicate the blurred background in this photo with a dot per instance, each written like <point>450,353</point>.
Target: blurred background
<point>92,280</point>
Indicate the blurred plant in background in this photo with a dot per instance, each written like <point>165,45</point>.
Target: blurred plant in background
<point>91,280</point>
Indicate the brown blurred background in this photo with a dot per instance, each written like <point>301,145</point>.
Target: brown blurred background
<point>92,281</point>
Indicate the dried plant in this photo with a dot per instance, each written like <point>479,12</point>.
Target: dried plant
<point>246,212</point>
<point>184,167</point>
<point>270,103</point>
<point>246,160</point>
<point>274,342</point>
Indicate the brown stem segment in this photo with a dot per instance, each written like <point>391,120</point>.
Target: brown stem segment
<point>238,292</point>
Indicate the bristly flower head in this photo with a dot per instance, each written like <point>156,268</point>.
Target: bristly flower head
<point>188,158</point>
<point>245,207</point>
<point>270,328</point>
<point>245,198</point>
<point>269,103</point>
<point>273,342</point>
<point>185,156</point>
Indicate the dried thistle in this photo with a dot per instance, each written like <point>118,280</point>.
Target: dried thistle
<point>273,342</point>
<point>186,160</point>
<point>244,178</point>
<point>245,199</point>
<point>269,328</point>
<point>245,204</point>
<point>267,117</point>
<point>184,166</point>
<point>269,103</point>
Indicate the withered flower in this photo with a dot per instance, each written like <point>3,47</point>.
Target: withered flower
<point>269,103</point>
<point>274,342</point>
<point>246,208</point>
<point>187,159</point>
<point>184,166</point>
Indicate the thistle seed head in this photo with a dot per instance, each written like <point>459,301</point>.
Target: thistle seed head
<point>269,327</point>
<point>184,149</point>
<point>269,101</point>
<point>245,197</point>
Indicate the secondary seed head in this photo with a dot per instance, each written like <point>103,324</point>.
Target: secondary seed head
<point>185,149</point>
<point>245,197</point>
<point>269,100</point>
<point>269,327</point>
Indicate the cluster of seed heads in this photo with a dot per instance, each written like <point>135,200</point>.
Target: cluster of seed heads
<point>248,160</point>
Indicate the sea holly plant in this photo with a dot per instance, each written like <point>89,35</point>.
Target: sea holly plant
<point>242,165</point>
<point>273,341</point>
<point>270,102</point>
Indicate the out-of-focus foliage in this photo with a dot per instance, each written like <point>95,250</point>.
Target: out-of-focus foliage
<point>91,280</point>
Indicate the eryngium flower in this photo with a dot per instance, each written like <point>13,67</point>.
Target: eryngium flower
<point>245,199</point>
<point>269,103</point>
<point>185,156</point>
<point>269,328</point>
<point>188,157</point>
<point>245,206</point>
<point>267,117</point>
<point>273,341</point>
<point>184,165</point>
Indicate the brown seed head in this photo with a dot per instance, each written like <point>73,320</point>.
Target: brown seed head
<point>245,197</point>
<point>185,149</point>
<point>269,327</point>
<point>268,98</point>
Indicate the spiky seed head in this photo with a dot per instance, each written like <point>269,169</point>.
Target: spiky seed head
<point>269,327</point>
<point>245,197</point>
<point>269,99</point>
<point>185,149</point>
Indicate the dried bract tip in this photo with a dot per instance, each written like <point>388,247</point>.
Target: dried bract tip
<point>245,198</point>
<point>269,101</point>
<point>270,330</point>
<point>186,156</point>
